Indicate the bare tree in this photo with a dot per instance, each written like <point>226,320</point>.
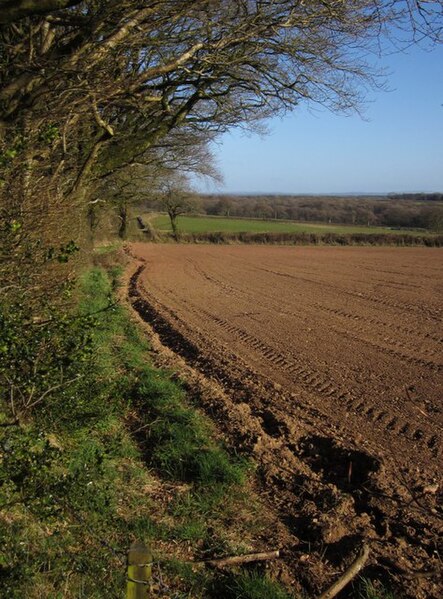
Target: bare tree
<point>176,199</point>
<point>178,155</point>
<point>116,78</point>
<point>224,206</point>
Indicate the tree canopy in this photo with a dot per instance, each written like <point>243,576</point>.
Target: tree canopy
<point>90,88</point>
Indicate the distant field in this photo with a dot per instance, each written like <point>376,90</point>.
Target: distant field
<point>211,224</point>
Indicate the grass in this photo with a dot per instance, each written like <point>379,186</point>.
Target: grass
<point>211,224</point>
<point>179,441</point>
<point>373,590</point>
<point>118,455</point>
<point>251,585</point>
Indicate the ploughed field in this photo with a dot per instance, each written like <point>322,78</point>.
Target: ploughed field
<point>332,364</point>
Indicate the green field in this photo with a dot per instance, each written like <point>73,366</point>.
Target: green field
<point>212,224</point>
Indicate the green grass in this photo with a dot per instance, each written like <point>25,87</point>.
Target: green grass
<point>118,454</point>
<point>252,585</point>
<point>211,224</point>
<point>373,590</point>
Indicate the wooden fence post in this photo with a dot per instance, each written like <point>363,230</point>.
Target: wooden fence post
<point>139,571</point>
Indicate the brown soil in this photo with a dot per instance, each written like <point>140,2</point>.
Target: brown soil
<point>331,362</point>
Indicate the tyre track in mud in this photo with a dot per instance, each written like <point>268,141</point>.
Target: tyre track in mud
<point>420,337</point>
<point>313,498</point>
<point>316,382</point>
<point>413,424</point>
<point>398,349</point>
<point>378,416</point>
<point>384,301</point>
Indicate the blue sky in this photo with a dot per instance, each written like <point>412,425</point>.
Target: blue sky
<point>398,147</point>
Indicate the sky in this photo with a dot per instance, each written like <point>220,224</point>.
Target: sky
<point>396,147</point>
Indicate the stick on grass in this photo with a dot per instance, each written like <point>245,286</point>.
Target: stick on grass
<point>240,559</point>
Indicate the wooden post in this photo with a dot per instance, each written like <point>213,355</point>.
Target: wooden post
<point>139,571</point>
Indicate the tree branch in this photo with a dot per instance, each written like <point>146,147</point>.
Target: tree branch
<point>14,10</point>
<point>350,573</point>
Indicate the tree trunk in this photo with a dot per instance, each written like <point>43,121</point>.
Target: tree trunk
<point>173,218</point>
<point>123,214</point>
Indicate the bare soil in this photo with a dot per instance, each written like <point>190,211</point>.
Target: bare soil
<point>332,365</point>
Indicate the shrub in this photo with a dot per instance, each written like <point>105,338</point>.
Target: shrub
<point>314,239</point>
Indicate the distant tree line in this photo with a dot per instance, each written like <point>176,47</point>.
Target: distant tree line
<point>426,212</point>
<point>417,197</point>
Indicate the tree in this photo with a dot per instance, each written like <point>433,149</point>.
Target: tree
<point>262,209</point>
<point>116,78</point>
<point>176,199</point>
<point>172,159</point>
<point>432,218</point>
<point>224,206</point>
<point>13,10</point>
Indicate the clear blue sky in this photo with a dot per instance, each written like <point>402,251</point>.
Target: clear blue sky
<point>399,147</point>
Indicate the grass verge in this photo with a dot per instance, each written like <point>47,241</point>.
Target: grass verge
<point>112,454</point>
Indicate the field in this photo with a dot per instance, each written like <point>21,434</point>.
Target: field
<point>331,362</point>
<point>210,224</point>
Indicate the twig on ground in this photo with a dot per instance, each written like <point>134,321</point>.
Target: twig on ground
<point>239,559</point>
<point>348,575</point>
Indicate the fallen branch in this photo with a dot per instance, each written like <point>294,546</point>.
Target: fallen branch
<point>350,573</point>
<point>240,559</point>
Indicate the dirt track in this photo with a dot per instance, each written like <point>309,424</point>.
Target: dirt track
<point>333,360</point>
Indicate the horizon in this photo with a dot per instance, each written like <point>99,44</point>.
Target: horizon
<point>335,194</point>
